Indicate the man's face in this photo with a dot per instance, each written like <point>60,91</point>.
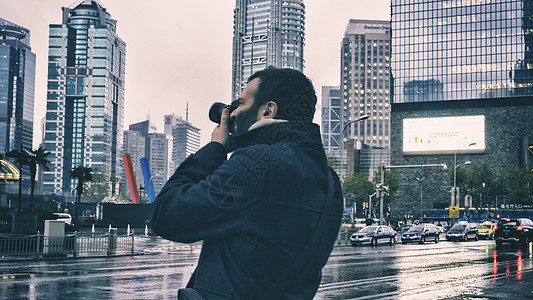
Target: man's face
<point>247,113</point>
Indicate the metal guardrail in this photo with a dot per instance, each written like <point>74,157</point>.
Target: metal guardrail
<point>343,238</point>
<point>74,244</point>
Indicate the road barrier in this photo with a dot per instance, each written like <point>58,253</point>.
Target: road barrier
<point>75,244</point>
<point>343,238</point>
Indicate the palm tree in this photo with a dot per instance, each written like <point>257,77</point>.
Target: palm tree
<point>38,159</point>
<point>21,158</point>
<point>83,174</point>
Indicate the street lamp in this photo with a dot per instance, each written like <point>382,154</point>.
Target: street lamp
<point>454,192</point>
<point>361,118</point>
<point>141,188</point>
<point>421,207</point>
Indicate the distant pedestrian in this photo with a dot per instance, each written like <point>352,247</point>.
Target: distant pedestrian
<point>270,214</point>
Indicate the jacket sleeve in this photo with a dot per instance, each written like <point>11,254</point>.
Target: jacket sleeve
<point>203,199</point>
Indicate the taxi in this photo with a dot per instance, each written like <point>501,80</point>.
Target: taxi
<point>485,230</point>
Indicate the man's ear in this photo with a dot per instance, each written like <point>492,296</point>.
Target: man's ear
<point>269,110</point>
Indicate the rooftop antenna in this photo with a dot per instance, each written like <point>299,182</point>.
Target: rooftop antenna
<point>187,112</point>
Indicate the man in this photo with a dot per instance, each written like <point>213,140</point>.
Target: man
<point>256,211</point>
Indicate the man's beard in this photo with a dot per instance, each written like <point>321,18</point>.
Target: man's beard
<point>245,119</point>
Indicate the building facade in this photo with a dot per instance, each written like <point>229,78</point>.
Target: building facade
<point>135,145</point>
<point>462,86</point>
<point>85,99</point>
<point>17,85</point>
<point>185,139</point>
<point>331,128</point>
<point>457,50</point>
<point>266,33</point>
<point>365,81</point>
<point>155,148</point>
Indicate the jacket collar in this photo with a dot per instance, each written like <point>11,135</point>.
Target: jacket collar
<point>277,132</point>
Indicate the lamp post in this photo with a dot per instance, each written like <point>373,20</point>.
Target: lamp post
<point>361,118</point>
<point>421,207</point>
<point>141,188</point>
<point>454,192</point>
<point>370,205</point>
<point>455,196</point>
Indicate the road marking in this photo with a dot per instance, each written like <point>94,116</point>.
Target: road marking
<point>163,249</point>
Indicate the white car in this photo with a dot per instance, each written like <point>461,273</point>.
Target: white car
<point>67,218</point>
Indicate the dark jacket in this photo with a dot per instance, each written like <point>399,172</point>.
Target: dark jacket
<point>254,212</point>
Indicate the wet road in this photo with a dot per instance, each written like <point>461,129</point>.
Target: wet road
<point>447,270</point>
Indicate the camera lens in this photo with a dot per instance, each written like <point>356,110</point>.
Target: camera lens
<point>215,112</point>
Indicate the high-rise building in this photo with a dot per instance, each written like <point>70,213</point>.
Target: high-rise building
<point>157,148</point>
<point>266,33</point>
<point>85,100</point>
<point>458,50</point>
<point>365,81</point>
<point>185,137</point>
<point>462,90</point>
<point>331,127</point>
<point>134,144</point>
<point>17,84</point>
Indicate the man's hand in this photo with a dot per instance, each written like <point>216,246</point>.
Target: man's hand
<point>221,132</point>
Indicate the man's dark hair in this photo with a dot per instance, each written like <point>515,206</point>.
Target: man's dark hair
<point>292,91</point>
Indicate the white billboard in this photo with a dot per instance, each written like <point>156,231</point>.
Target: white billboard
<point>444,135</point>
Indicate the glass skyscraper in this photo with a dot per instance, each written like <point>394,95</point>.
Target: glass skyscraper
<point>461,50</point>
<point>266,33</point>
<point>85,100</point>
<point>331,127</point>
<point>17,85</point>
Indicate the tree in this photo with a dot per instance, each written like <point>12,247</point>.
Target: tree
<point>482,183</point>
<point>461,179</point>
<point>391,185</point>
<point>98,189</point>
<point>83,174</point>
<point>357,188</point>
<point>519,181</point>
<point>21,158</point>
<point>39,158</point>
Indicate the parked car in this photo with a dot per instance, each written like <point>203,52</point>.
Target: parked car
<point>421,233</point>
<point>516,231</point>
<point>462,231</point>
<point>485,230</point>
<point>373,234</point>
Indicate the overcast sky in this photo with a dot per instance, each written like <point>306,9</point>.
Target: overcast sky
<point>180,51</point>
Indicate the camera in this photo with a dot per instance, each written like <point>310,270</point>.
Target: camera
<point>215,112</point>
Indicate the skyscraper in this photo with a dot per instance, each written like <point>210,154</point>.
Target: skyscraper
<point>365,81</point>
<point>185,137</point>
<point>266,33</point>
<point>459,50</point>
<point>331,127</point>
<point>134,144</point>
<point>17,84</point>
<point>85,101</point>
<point>462,95</point>
<point>142,140</point>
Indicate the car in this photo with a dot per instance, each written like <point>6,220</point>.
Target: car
<point>421,233</point>
<point>67,218</point>
<point>515,231</point>
<point>485,230</point>
<point>373,234</point>
<point>462,231</point>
